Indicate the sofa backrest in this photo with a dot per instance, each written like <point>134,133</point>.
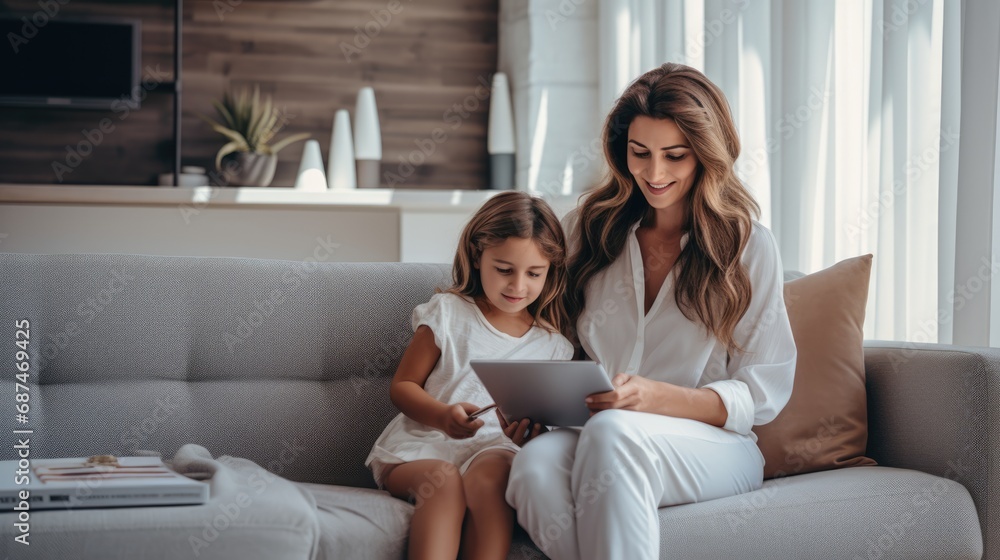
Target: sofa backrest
<point>285,363</point>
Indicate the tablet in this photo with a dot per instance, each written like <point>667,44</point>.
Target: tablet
<point>549,392</point>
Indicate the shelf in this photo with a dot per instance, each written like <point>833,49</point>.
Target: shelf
<point>462,201</point>
<point>432,200</point>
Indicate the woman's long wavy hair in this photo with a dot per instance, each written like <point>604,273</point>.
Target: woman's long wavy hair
<point>712,284</point>
<point>516,214</point>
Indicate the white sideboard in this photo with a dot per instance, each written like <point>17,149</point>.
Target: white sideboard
<point>362,225</point>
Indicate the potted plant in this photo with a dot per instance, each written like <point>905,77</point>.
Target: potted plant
<point>249,123</point>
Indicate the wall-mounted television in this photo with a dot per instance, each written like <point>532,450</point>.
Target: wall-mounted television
<point>84,62</point>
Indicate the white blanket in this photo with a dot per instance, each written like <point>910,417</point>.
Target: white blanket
<point>251,513</point>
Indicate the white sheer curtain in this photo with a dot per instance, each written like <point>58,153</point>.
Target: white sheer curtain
<point>839,106</point>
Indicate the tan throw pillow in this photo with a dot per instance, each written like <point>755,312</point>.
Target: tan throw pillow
<point>825,423</point>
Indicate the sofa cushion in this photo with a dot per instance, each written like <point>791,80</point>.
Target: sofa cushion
<point>862,513</point>
<point>877,513</point>
<point>825,423</point>
<point>251,514</point>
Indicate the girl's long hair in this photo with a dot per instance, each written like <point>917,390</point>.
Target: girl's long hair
<point>712,285</point>
<point>516,214</point>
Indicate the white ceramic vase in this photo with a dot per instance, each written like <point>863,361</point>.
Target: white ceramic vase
<point>340,167</point>
<point>500,135</point>
<point>367,139</point>
<point>311,176</point>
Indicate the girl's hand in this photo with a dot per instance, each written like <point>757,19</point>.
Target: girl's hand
<point>456,423</point>
<point>518,432</point>
<point>633,392</point>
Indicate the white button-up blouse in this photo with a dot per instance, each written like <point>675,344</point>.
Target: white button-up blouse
<point>664,345</point>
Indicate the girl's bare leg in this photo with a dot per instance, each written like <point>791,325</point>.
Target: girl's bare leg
<point>436,526</point>
<point>489,523</point>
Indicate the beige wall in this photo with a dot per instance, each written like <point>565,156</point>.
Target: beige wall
<point>274,233</point>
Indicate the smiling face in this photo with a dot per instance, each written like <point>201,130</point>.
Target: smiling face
<point>513,274</point>
<point>662,162</point>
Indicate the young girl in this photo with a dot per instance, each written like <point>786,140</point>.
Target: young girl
<point>505,303</point>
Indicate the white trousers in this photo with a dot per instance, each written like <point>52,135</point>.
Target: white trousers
<point>593,492</point>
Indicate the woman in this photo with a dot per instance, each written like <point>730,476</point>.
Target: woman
<point>677,290</point>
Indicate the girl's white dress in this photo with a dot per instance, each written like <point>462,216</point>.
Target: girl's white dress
<point>462,333</point>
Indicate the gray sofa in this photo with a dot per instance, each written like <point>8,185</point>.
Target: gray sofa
<point>287,364</point>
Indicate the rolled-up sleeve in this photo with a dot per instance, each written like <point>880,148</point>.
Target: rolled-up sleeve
<point>760,376</point>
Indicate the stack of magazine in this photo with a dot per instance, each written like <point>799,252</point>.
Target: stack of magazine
<point>77,483</point>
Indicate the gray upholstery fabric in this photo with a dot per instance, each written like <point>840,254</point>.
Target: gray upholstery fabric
<point>288,366</point>
<point>862,512</point>
<point>144,352</point>
<point>936,408</point>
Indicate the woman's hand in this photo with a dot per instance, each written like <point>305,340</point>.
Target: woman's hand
<point>518,431</point>
<point>455,421</point>
<point>632,392</point>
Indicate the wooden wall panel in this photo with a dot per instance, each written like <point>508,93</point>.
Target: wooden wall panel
<point>430,57</point>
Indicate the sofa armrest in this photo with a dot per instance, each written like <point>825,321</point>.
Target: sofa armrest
<point>936,408</point>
